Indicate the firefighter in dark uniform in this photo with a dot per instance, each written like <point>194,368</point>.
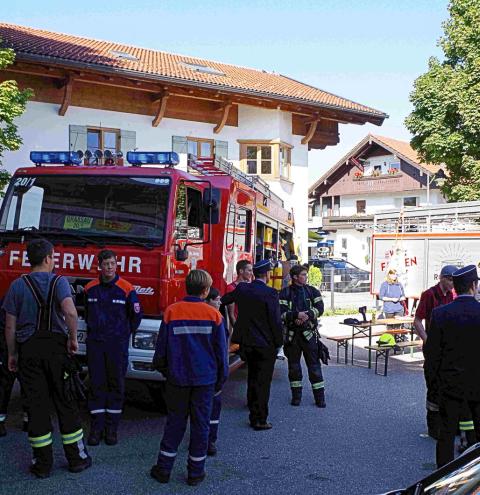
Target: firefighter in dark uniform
<point>301,305</point>
<point>438,295</point>
<point>112,313</point>
<point>41,329</point>
<point>452,358</point>
<point>258,331</point>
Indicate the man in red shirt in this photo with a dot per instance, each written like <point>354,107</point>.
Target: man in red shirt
<point>244,271</point>
<point>438,295</point>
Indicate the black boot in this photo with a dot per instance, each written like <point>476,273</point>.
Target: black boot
<point>296,396</point>
<point>319,395</point>
<point>3,431</point>
<point>159,474</point>
<point>76,454</point>
<point>94,438</point>
<point>42,461</point>
<point>212,449</point>
<point>111,436</point>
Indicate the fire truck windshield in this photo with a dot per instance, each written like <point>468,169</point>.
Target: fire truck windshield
<point>114,209</point>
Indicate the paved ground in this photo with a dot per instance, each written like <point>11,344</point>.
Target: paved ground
<point>365,442</point>
<point>348,300</point>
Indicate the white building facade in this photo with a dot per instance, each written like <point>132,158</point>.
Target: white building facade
<point>100,95</point>
<point>379,174</point>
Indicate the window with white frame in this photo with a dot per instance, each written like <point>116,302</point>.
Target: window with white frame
<point>411,201</point>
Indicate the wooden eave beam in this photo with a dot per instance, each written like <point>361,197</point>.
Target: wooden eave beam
<point>225,111</point>
<point>89,76</point>
<point>162,105</point>
<point>67,96</point>
<point>311,132</point>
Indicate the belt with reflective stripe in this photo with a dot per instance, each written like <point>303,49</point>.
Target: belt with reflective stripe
<point>318,385</point>
<point>72,437</point>
<point>43,441</point>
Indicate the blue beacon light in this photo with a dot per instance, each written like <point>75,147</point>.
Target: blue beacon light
<point>139,158</point>
<point>55,157</point>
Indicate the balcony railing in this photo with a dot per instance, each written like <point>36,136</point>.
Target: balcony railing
<point>377,175</point>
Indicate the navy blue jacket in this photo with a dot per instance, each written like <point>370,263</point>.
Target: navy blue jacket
<point>112,310</point>
<point>259,323</point>
<point>452,348</point>
<point>191,348</point>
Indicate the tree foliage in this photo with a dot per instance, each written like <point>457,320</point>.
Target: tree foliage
<point>315,276</point>
<point>445,121</point>
<point>12,105</point>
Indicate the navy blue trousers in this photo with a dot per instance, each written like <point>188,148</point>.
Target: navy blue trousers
<point>183,403</point>
<point>215,417</point>
<point>107,365</point>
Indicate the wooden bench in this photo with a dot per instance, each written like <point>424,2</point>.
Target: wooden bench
<point>342,341</point>
<point>384,351</point>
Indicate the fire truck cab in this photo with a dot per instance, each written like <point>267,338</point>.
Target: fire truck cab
<point>161,222</point>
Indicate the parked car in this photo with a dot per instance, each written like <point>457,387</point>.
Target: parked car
<point>346,276</point>
<point>459,477</point>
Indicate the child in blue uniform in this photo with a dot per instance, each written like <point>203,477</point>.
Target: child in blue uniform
<point>112,313</point>
<point>191,352</point>
<point>213,299</point>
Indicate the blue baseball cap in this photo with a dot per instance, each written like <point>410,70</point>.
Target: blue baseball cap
<point>466,274</point>
<point>262,266</point>
<point>448,270</point>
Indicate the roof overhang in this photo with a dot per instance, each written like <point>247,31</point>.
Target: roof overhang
<point>307,106</point>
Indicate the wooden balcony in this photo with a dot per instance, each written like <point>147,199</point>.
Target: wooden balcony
<point>354,222</point>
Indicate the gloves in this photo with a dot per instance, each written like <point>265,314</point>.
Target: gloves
<point>73,386</point>
<point>323,353</point>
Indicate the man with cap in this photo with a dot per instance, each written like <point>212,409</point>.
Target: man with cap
<point>438,295</point>
<point>258,331</point>
<point>452,359</point>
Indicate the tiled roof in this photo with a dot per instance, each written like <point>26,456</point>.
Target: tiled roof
<point>64,48</point>
<point>400,148</point>
<point>403,150</point>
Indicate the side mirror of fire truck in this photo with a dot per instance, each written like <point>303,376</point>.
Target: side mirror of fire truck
<point>181,254</point>
<point>211,204</point>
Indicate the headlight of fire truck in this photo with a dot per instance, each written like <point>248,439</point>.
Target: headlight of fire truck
<point>145,339</point>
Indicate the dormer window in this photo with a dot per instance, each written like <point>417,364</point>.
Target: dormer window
<point>124,55</point>
<point>205,69</point>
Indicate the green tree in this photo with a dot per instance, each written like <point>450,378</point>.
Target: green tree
<point>12,105</point>
<point>445,121</point>
<point>315,276</point>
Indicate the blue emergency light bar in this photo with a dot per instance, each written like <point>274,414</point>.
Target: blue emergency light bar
<point>139,158</point>
<point>55,157</point>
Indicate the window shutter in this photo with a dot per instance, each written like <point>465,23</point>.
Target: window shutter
<point>77,138</point>
<point>179,144</point>
<point>128,141</point>
<point>221,149</point>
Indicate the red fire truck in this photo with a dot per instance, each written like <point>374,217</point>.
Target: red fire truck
<point>160,220</point>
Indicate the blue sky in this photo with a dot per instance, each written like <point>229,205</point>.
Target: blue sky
<point>370,51</point>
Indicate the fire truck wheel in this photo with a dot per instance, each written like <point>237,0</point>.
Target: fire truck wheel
<point>157,393</point>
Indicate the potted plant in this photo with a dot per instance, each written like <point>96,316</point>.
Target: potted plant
<point>358,174</point>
